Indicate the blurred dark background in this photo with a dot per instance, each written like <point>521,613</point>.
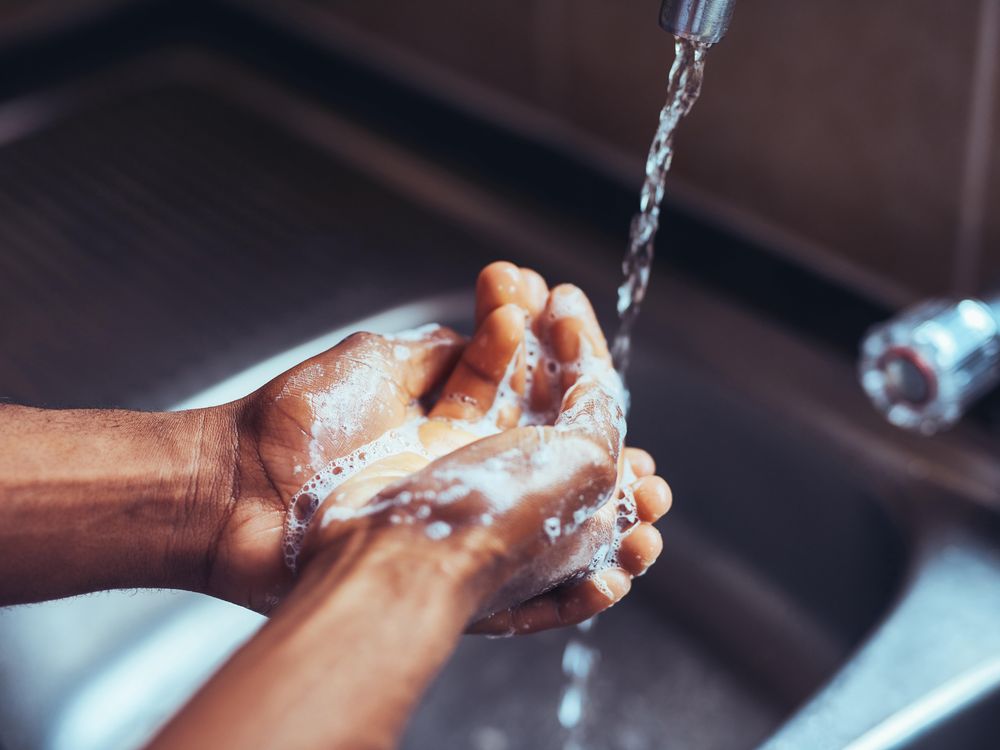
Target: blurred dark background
<point>817,181</point>
<point>835,130</point>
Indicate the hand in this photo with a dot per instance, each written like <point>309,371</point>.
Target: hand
<point>323,409</point>
<point>515,486</point>
<point>537,358</point>
<point>339,402</point>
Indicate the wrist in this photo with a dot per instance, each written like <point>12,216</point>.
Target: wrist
<point>240,512</point>
<point>207,494</point>
<point>453,569</point>
<point>368,604</point>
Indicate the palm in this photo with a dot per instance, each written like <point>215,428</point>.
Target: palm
<point>336,402</point>
<point>319,410</point>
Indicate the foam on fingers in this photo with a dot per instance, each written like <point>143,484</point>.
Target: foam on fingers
<point>575,602</point>
<point>424,357</point>
<point>489,362</point>
<point>568,302</point>
<point>640,548</point>
<point>569,604</point>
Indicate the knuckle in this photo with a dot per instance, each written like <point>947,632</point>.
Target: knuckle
<point>364,339</point>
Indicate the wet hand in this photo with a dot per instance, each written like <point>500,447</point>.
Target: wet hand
<point>553,502</point>
<point>323,409</point>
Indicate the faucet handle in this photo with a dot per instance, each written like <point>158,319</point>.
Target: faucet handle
<point>923,368</point>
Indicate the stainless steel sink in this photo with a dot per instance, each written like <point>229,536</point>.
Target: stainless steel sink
<point>825,581</point>
<point>755,602</point>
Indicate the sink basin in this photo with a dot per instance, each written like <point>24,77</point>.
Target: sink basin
<point>755,601</point>
<point>734,621</point>
<point>808,542</point>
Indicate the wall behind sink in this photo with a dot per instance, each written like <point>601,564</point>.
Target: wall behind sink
<point>836,132</point>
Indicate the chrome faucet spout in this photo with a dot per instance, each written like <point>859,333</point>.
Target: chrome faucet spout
<point>926,366</point>
<point>703,21</point>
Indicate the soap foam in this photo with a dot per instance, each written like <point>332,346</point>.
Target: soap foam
<point>626,518</point>
<point>553,528</point>
<point>327,480</point>
<point>414,334</point>
<point>438,530</point>
<point>339,411</point>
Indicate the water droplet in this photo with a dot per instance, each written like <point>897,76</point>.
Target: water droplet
<point>438,530</point>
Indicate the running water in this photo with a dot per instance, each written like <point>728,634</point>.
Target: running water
<point>578,662</point>
<point>683,87</point>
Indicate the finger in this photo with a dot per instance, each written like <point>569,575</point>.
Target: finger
<point>571,323</point>
<point>423,362</point>
<point>593,409</point>
<point>640,548</point>
<point>569,604</point>
<point>502,283</point>
<point>536,292</point>
<point>473,386</point>
<point>652,498</point>
<point>569,330</point>
<point>367,483</point>
<point>640,461</point>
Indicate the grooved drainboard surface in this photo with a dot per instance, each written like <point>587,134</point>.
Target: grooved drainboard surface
<point>156,242</point>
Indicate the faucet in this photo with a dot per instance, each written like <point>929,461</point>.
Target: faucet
<point>923,368</point>
<point>704,21</point>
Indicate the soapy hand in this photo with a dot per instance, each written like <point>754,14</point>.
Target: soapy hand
<point>321,410</point>
<point>518,464</point>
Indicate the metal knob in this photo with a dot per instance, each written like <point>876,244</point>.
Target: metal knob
<point>923,368</point>
<point>698,20</point>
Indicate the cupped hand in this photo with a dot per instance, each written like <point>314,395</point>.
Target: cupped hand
<point>563,516</point>
<point>323,409</point>
<point>547,499</point>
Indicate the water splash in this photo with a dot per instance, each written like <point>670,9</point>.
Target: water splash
<point>683,88</point>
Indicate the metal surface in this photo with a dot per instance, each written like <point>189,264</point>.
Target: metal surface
<point>195,204</point>
<point>698,20</point>
<point>925,367</point>
<point>709,631</point>
<point>937,654</point>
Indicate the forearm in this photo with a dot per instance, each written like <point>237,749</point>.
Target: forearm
<point>346,657</point>
<point>98,499</point>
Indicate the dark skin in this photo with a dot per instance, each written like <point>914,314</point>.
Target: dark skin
<point>197,500</point>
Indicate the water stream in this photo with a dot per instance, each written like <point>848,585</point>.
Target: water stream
<point>579,660</point>
<point>683,88</point>
<point>581,654</point>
